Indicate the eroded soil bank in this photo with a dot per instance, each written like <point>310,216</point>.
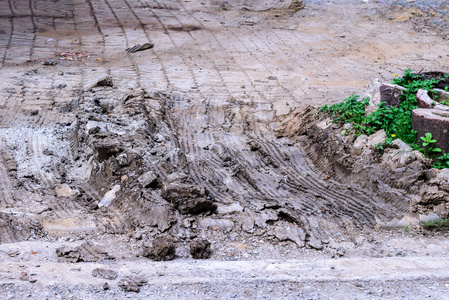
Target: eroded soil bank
<point>204,140</point>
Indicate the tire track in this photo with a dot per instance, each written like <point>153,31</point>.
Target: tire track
<point>148,36</point>
<point>220,44</point>
<point>8,45</point>
<point>6,198</point>
<point>135,68</point>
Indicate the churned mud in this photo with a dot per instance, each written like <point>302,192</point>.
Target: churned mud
<point>136,131</point>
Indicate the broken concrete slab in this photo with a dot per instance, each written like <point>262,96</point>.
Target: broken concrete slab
<point>434,121</point>
<point>378,92</point>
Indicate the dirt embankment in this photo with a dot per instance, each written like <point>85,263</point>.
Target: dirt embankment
<point>396,176</point>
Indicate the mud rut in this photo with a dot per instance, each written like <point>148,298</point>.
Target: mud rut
<point>213,87</point>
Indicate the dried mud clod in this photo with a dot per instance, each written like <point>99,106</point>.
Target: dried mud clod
<point>87,252</point>
<point>132,283</point>
<point>188,198</point>
<point>200,249</point>
<point>104,273</point>
<point>162,248</point>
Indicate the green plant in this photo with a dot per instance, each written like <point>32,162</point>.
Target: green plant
<point>382,146</point>
<point>444,102</point>
<point>396,121</point>
<point>409,231</point>
<point>442,162</point>
<point>350,110</point>
<point>437,223</point>
<point>428,149</point>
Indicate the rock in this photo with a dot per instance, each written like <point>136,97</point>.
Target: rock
<point>109,196</point>
<point>284,232</point>
<point>359,144</point>
<point>105,286</point>
<point>188,198</point>
<point>217,224</point>
<point>104,273</point>
<point>399,144</point>
<point>162,249</point>
<point>424,101</point>
<point>200,249</point>
<point>315,243</point>
<point>229,209</point>
<point>434,121</point>
<point>132,284</point>
<point>383,92</point>
<point>148,179</point>
<point>64,190</point>
<point>428,218</point>
<point>122,159</point>
<point>377,138</point>
<point>340,251</point>
<point>408,220</point>
<point>326,123</point>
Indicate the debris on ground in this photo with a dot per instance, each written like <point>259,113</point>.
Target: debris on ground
<point>86,252</point>
<point>162,248</point>
<point>200,249</point>
<point>132,283</point>
<point>105,273</point>
<point>139,47</point>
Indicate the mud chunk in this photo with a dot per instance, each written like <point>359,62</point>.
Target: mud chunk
<point>104,273</point>
<point>64,190</point>
<point>287,232</point>
<point>87,252</point>
<point>122,159</point>
<point>359,144</point>
<point>132,284</point>
<point>162,249</point>
<point>234,208</point>
<point>396,158</point>
<point>148,179</point>
<point>100,81</point>
<point>188,198</point>
<point>69,254</point>
<point>200,249</point>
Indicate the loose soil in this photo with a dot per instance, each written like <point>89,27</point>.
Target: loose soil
<point>111,159</point>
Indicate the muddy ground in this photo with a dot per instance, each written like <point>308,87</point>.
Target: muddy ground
<point>104,151</point>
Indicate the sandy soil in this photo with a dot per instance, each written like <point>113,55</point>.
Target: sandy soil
<point>183,133</point>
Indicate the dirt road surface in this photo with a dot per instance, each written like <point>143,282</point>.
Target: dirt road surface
<point>102,149</point>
